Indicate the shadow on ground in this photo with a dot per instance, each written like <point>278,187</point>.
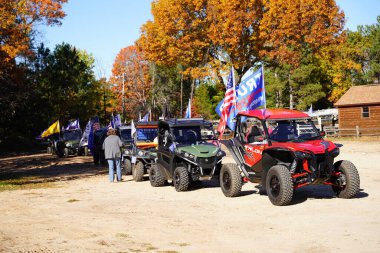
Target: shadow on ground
<point>35,168</point>
<point>319,192</point>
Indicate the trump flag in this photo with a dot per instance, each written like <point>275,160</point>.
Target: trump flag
<point>250,94</point>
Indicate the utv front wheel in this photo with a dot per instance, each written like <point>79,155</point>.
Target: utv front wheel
<point>181,179</point>
<point>279,185</point>
<point>347,184</point>
<point>138,172</point>
<point>127,166</point>
<point>155,177</point>
<point>230,180</point>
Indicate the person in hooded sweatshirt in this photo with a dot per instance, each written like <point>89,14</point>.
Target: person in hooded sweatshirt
<point>112,153</point>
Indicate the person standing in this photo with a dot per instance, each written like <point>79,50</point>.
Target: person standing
<point>112,153</point>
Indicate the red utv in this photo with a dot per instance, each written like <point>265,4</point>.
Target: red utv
<point>283,150</point>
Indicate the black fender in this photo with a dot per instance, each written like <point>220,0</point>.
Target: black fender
<point>270,158</point>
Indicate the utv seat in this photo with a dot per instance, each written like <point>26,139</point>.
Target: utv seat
<point>253,135</point>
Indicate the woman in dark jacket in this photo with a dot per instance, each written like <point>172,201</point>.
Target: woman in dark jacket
<point>112,153</point>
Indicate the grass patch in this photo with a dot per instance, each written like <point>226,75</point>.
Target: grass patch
<point>72,200</point>
<point>181,244</point>
<point>26,183</point>
<point>122,235</point>
<point>135,250</point>
<point>151,248</point>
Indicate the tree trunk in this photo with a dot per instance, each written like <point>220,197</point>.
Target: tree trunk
<point>291,98</point>
<point>192,89</point>
<point>181,93</point>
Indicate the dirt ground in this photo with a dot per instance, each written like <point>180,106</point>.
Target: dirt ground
<point>83,212</point>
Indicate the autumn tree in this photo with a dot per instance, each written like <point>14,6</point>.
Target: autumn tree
<point>130,73</point>
<point>203,36</point>
<point>17,22</point>
<point>294,30</point>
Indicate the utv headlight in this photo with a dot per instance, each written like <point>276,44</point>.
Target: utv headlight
<point>69,145</point>
<point>301,155</point>
<point>126,152</point>
<point>140,153</point>
<point>335,152</point>
<point>221,153</point>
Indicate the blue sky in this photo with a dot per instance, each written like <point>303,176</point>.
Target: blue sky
<point>103,27</point>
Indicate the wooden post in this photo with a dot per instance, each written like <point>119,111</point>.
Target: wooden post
<point>357,132</point>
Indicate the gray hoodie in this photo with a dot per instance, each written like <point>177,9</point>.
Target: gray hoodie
<point>111,146</point>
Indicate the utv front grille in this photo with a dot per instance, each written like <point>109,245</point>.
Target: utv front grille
<point>324,164</point>
<point>202,160</point>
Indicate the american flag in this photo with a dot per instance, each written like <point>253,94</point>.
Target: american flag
<point>229,101</point>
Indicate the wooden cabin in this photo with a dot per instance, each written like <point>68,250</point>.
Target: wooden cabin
<point>359,109</point>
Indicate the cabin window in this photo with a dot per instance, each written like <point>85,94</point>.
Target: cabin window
<point>365,112</point>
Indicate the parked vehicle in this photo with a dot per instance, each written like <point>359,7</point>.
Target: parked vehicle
<point>184,154</point>
<point>283,150</point>
<point>125,135</point>
<point>140,155</point>
<point>68,143</point>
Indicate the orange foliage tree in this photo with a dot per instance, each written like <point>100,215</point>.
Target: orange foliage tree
<point>131,70</point>
<point>203,35</point>
<point>17,20</point>
<point>295,29</point>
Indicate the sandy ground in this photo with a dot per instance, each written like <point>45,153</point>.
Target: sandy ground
<point>86,213</point>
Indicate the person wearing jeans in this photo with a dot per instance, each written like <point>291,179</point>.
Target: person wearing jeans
<point>112,153</point>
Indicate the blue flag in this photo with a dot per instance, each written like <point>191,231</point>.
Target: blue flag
<point>145,118</point>
<point>94,126</point>
<point>73,125</point>
<point>250,95</point>
<point>117,121</point>
<point>188,110</point>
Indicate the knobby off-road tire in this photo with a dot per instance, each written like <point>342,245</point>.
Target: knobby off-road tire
<point>279,185</point>
<point>181,179</point>
<point>138,172</point>
<point>66,152</point>
<point>351,174</point>
<point>230,180</point>
<point>155,176</point>
<point>127,165</point>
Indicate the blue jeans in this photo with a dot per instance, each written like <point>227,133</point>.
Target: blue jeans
<point>111,163</point>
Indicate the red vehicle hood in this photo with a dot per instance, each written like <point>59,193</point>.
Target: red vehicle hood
<point>315,146</point>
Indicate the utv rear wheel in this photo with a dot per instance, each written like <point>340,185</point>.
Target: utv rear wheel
<point>127,166</point>
<point>85,151</point>
<point>155,177</point>
<point>138,172</point>
<point>66,152</point>
<point>181,179</point>
<point>230,180</point>
<point>279,185</point>
<point>348,182</point>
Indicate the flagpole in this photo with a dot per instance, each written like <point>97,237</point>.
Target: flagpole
<point>265,98</point>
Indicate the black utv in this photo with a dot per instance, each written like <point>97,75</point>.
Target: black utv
<point>187,152</point>
<point>140,154</point>
<point>68,143</point>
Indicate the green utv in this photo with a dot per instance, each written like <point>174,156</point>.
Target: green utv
<point>187,153</point>
<point>143,149</point>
